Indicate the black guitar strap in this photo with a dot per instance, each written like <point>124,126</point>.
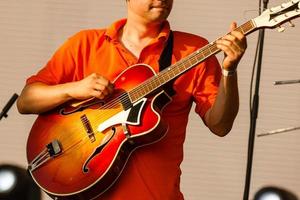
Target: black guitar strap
<point>165,61</point>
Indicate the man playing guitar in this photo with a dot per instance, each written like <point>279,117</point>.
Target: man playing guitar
<point>90,65</point>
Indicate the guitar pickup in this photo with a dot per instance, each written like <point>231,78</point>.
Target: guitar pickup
<point>54,148</point>
<point>88,128</point>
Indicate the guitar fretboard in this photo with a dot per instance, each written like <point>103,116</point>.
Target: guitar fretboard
<point>181,66</point>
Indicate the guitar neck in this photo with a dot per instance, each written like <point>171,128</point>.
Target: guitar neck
<point>182,66</point>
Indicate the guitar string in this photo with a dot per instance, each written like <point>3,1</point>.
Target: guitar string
<point>112,104</point>
<point>207,50</point>
<point>153,80</point>
<point>137,91</point>
<point>210,48</point>
<point>75,143</point>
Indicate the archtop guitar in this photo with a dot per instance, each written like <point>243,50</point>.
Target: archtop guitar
<point>79,150</point>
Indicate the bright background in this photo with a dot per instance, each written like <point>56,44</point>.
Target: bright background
<point>214,168</point>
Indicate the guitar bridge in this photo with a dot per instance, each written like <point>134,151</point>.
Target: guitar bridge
<point>52,149</point>
<point>88,128</point>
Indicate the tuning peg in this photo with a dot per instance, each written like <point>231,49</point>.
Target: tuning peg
<point>281,29</point>
<point>291,24</point>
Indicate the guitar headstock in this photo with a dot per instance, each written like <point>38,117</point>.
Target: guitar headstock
<point>275,16</point>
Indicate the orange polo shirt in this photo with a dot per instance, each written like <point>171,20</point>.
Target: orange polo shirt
<point>153,171</point>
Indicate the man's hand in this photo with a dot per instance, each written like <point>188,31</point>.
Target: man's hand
<point>93,85</point>
<point>39,97</point>
<point>234,45</point>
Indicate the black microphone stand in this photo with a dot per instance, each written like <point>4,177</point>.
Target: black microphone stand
<point>254,110</point>
<point>286,82</point>
<point>8,105</point>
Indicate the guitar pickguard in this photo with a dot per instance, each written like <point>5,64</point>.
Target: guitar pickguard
<point>98,150</point>
<point>130,116</point>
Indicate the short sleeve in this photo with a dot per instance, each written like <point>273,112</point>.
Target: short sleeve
<point>69,61</point>
<point>60,67</point>
<point>206,88</point>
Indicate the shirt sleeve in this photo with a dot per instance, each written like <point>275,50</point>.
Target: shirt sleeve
<point>207,84</point>
<point>63,65</point>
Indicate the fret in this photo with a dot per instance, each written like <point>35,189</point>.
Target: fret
<point>164,76</point>
<point>201,54</point>
<point>159,81</point>
<point>162,79</point>
<point>214,48</point>
<point>174,74</point>
<point>198,57</point>
<point>190,62</point>
<point>143,90</point>
<point>151,85</point>
<point>194,59</point>
<point>169,75</point>
<point>137,92</point>
<point>147,87</point>
<point>180,66</point>
<point>155,82</point>
<point>177,70</point>
<point>209,49</point>
<point>246,27</point>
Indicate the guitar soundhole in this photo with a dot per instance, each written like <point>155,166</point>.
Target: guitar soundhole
<point>98,150</point>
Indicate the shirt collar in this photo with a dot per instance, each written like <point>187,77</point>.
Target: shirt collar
<point>113,29</point>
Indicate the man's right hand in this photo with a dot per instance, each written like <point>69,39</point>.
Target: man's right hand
<point>39,97</point>
<point>93,85</point>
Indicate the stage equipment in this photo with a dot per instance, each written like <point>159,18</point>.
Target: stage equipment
<point>286,82</point>
<point>8,105</point>
<point>274,193</point>
<point>16,184</point>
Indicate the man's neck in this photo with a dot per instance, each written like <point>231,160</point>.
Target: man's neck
<point>136,35</point>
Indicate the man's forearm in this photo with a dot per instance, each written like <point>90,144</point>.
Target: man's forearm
<point>220,117</point>
<point>38,98</point>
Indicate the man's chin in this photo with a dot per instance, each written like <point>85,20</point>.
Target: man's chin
<point>160,16</point>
